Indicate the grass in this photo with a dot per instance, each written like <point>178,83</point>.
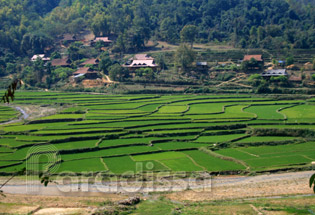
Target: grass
<point>300,113</point>
<point>207,108</point>
<point>236,153</point>
<point>261,139</point>
<point>126,165</point>
<point>76,145</point>
<point>278,161</point>
<point>159,207</point>
<point>63,116</point>
<point>159,156</point>
<point>79,166</point>
<point>23,128</point>
<point>179,145</point>
<point>173,109</point>
<point>267,111</point>
<point>182,164</point>
<point>219,138</point>
<point>311,127</point>
<point>118,142</point>
<point>268,157</point>
<point>11,142</point>
<point>111,152</point>
<point>13,169</point>
<point>212,163</point>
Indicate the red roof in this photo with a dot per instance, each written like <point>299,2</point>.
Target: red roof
<point>295,78</point>
<point>61,62</point>
<point>256,57</point>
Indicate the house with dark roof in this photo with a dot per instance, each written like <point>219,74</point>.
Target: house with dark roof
<point>202,65</point>
<point>69,38</point>
<point>64,62</point>
<point>86,72</point>
<point>93,61</point>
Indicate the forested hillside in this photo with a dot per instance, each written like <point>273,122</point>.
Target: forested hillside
<point>33,24</point>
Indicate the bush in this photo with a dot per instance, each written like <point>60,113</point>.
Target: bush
<point>289,61</point>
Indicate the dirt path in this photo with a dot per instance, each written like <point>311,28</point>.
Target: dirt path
<point>30,112</point>
<point>234,81</point>
<point>222,188</point>
<point>216,188</point>
<point>250,187</point>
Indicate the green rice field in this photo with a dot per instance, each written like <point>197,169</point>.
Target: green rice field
<point>132,134</point>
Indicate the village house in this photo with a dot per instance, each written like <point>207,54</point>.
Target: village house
<point>93,61</point>
<point>258,58</point>
<point>68,38</point>
<point>141,61</point>
<point>105,40</point>
<point>297,79</point>
<point>202,65</point>
<point>64,62</point>
<point>40,56</point>
<point>274,73</point>
<point>86,72</point>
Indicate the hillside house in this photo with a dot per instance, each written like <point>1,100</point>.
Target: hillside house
<point>104,40</point>
<point>258,58</point>
<point>68,38</point>
<point>141,61</point>
<point>40,56</point>
<point>64,62</point>
<point>202,65</point>
<point>296,79</point>
<point>258,63</point>
<point>92,61</point>
<point>86,72</point>
<point>274,73</point>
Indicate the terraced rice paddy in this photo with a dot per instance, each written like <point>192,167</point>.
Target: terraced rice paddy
<point>133,134</point>
<point>7,113</point>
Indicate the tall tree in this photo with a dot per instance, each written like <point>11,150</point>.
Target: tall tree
<point>188,34</point>
<point>184,57</point>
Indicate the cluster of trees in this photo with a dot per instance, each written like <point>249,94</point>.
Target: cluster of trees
<point>263,85</point>
<point>32,24</point>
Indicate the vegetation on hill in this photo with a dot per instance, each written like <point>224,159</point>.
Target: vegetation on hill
<point>32,25</point>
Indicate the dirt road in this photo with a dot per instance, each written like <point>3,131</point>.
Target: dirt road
<point>50,200</point>
<point>215,188</point>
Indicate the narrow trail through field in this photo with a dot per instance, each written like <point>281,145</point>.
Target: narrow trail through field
<point>233,80</point>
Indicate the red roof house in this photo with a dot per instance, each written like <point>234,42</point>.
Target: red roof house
<point>256,57</point>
